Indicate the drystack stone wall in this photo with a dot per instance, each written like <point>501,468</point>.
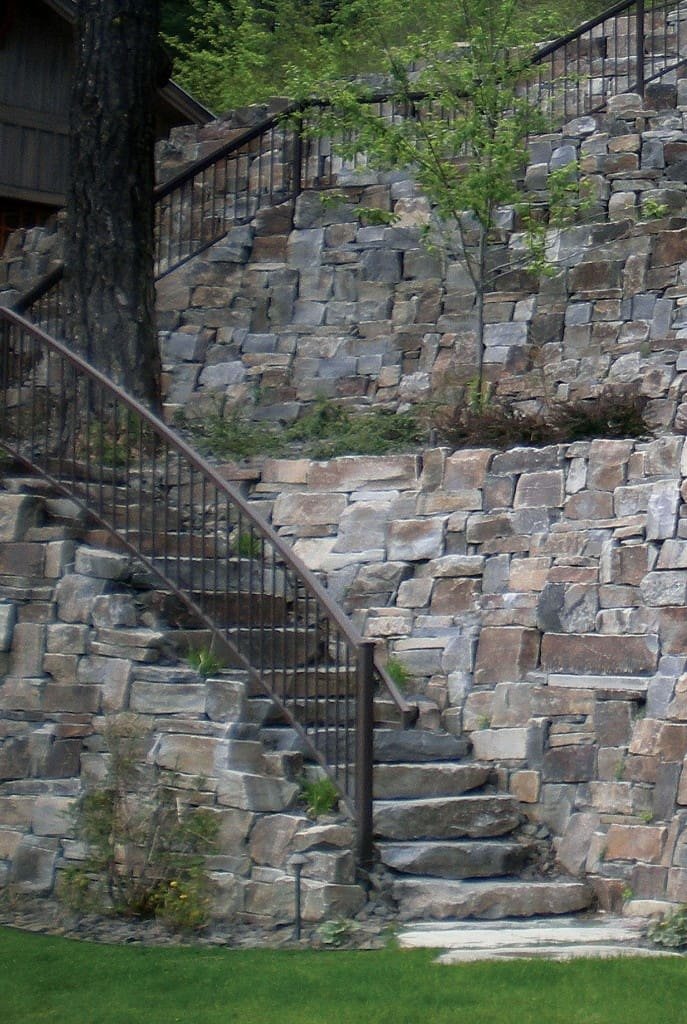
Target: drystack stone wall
<point>312,302</point>
<point>81,643</point>
<point>309,301</point>
<point>538,600</point>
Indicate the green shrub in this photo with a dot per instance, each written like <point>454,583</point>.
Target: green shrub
<point>204,661</point>
<point>328,431</point>
<point>146,840</point>
<point>670,930</point>
<point>399,673</point>
<point>320,795</point>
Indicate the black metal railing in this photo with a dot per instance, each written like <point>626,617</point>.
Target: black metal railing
<point>632,44</point>
<point>64,420</point>
<point>625,48</point>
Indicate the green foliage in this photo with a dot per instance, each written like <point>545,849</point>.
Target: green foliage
<point>233,52</point>
<point>335,932</point>
<point>399,673</point>
<point>652,209</point>
<point>671,930</point>
<point>204,661</point>
<point>329,430</point>
<point>570,196</point>
<point>320,795</point>
<point>146,849</point>
<point>249,545</point>
<point>232,436</point>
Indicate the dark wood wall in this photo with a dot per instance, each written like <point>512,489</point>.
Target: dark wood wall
<point>35,71</point>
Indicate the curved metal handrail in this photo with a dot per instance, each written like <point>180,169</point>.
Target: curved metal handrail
<point>199,536</point>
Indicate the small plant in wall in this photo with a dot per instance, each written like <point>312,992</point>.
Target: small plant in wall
<point>671,930</point>
<point>204,661</point>
<point>320,795</point>
<point>146,840</point>
<point>399,674</point>
<point>335,932</point>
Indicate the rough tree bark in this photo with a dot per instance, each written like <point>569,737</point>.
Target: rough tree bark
<point>109,252</point>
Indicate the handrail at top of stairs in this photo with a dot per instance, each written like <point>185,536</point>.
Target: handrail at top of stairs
<point>63,419</point>
<point>273,161</point>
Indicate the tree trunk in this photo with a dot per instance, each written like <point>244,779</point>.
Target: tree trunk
<point>109,253</point>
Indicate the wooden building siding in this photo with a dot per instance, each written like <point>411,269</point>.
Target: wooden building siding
<point>35,72</point>
<point>36,68</point>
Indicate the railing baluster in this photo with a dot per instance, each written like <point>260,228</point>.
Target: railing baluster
<point>640,45</point>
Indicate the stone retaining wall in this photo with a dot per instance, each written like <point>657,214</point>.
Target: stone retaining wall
<point>538,600</point>
<point>78,646</point>
<point>312,301</point>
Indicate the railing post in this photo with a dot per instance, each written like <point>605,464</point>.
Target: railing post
<point>639,16</point>
<point>297,168</point>
<point>364,755</point>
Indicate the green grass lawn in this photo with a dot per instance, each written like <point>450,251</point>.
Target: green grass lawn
<point>49,979</point>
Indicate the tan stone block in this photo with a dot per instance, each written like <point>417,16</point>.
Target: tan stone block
<point>677,885</point>
<point>529,573</point>
<point>673,742</point>
<point>9,843</point>
<point>673,629</point>
<point>552,701</point>
<point>416,539</point>
<point>592,652</point>
<point>451,597</point>
<point>625,144</point>
<point>636,842</point>
<point>608,464</point>
<point>512,705</point>
<point>646,737</point>
<point>192,755</point>
<point>670,247</point>
<point>308,509</point>
<point>505,654</point>
<point>500,744</point>
<point>465,470</point>
<point>478,710</point>
<point>285,471</point>
<point>589,505</point>
<point>546,488</point>
<point>351,473</point>
<point>525,786</point>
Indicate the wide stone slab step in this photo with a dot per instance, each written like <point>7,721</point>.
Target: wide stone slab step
<point>439,899</point>
<point>416,745</point>
<point>412,781</point>
<point>458,859</point>
<point>446,817</point>
<point>558,938</point>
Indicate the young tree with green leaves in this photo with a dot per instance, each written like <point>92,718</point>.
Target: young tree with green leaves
<point>464,133</point>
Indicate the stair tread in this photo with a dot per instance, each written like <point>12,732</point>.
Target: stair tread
<point>442,898</point>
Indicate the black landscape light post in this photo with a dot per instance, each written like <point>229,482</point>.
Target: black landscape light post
<point>297,862</point>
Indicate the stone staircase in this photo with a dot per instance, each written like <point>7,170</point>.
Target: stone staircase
<point>453,846</point>
<point>450,846</point>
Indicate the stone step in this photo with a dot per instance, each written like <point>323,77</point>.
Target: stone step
<point>232,574</point>
<point>556,938</point>
<point>439,899</point>
<point>488,858</point>
<point>470,816</point>
<point>417,745</point>
<point>323,712</point>
<point>443,778</point>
